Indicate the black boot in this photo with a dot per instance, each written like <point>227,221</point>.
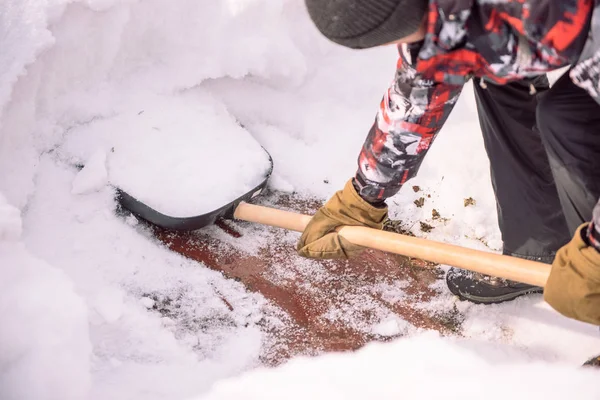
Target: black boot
<point>484,289</point>
<point>593,362</point>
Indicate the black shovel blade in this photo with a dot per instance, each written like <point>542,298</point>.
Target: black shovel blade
<point>141,210</point>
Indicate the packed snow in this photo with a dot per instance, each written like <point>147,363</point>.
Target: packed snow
<point>93,307</point>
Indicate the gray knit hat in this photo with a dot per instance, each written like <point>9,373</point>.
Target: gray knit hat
<point>360,24</point>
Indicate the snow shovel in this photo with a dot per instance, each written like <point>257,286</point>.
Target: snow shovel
<point>132,204</point>
<point>516,269</point>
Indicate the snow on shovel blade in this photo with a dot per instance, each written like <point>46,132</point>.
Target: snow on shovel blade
<point>138,208</point>
<point>179,162</point>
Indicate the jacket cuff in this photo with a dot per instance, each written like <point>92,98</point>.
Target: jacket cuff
<point>593,231</point>
<point>372,192</point>
<point>593,235</point>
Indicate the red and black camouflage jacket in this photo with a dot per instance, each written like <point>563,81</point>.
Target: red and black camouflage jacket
<point>490,41</point>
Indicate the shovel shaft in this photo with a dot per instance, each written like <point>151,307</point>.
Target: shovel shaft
<point>516,269</point>
<point>271,216</point>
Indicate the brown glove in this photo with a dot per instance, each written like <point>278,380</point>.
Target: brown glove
<point>346,207</point>
<point>573,288</point>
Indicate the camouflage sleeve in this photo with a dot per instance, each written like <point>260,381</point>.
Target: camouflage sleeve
<point>411,114</point>
<point>586,71</point>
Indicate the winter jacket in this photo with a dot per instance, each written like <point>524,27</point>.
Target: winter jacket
<point>487,41</point>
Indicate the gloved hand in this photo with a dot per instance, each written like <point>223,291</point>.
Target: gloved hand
<point>346,207</point>
<point>573,288</point>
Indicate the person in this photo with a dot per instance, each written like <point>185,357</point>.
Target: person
<point>543,142</point>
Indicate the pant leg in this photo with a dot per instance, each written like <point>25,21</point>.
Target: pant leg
<point>569,120</point>
<point>530,215</point>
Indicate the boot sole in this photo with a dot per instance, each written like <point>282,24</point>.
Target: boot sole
<point>494,299</point>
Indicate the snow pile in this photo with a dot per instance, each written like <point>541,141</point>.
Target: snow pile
<point>45,351</point>
<point>93,175</point>
<point>70,62</point>
<point>201,326</point>
<point>181,156</point>
<point>69,67</point>
<point>422,367</point>
<point>315,131</point>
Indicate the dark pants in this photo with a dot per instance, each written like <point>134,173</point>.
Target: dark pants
<point>544,151</point>
<point>569,120</point>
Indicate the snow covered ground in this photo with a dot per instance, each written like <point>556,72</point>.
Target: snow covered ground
<point>78,282</point>
<point>423,367</point>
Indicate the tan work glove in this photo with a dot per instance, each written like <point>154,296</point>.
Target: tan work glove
<point>573,288</point>
<point>346,207</point>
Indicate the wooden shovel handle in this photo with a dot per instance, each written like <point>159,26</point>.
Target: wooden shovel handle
<point>516,269</point>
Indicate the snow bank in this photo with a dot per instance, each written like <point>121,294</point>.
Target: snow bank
<point>66,65</point>
<point>70,62</point>
<point>45,351</point>
<point>421,367</point>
